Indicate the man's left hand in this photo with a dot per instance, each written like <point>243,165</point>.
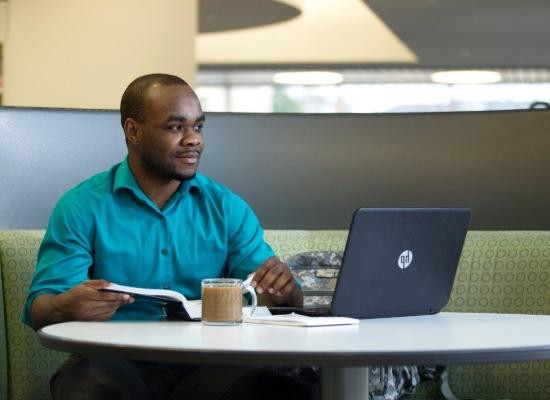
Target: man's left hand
<point>274,280</point>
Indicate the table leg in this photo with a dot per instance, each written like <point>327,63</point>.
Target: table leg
<point>350,383</point>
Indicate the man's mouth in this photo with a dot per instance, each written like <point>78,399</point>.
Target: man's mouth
<point>190,158</point>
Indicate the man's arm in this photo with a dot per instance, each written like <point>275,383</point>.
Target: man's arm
<point>273,280</point>
<point>60,290</point>
<point>275,284</point>
<point>84,302</point>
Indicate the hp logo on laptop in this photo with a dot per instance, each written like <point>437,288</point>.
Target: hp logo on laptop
<point>405,259</point>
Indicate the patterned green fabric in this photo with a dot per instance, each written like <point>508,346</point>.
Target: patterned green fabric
<point>30,365</point>
<point>3,346</point>
<point>428,390</point>
<point>287,243</point>
<point>504,272</point>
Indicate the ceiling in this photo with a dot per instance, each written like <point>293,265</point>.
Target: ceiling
<point>471,33</point>
<point>325,32</point>
<point>223,15</point>
<point>425,33</point>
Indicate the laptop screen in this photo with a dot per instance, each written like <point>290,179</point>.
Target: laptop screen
<point>399,261</point>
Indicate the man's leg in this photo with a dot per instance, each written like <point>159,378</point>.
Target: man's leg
<point>239,383</point>
<point>90,378</point>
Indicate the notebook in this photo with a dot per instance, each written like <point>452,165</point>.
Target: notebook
<point>397,262</point>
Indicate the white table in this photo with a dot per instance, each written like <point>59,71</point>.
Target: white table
<point>343,352</point>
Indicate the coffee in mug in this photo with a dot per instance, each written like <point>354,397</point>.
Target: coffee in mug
<point>222,301</point>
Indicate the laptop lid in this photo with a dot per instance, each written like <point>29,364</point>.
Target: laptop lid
<point>399,261</point>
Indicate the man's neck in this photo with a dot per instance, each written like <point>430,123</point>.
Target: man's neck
<point>159,190</point>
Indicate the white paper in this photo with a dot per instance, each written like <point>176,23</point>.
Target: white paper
<point>294,319</point>
<point>261,311</point>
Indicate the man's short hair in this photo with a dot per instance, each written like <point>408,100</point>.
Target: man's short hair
<point>132,104</point>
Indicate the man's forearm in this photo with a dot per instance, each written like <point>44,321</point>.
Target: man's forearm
<point>44,312</point>
<point>84,302</point>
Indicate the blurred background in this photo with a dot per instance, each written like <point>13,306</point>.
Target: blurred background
<point>265,56</point>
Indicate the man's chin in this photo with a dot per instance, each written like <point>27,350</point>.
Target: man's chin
<point>185,177</point>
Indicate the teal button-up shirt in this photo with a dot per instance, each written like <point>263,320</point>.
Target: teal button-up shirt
<point>107,228</point>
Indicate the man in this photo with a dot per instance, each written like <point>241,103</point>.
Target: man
<point>152,221</point>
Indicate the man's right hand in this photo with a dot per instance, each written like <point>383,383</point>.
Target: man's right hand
<point>84,302</point>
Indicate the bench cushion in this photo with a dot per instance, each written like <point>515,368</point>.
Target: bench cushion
<point>503,272</point>
<point>30,365</point>
<point>3,339</point>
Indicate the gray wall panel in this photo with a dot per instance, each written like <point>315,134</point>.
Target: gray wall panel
<point>43,153</point>
<point>305,171</point>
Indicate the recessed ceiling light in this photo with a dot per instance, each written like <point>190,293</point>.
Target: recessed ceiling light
<point>308,78</point>
<point>466,77</point>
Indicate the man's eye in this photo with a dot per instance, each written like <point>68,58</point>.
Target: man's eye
<point>198,128</point>
<point>174,127</point>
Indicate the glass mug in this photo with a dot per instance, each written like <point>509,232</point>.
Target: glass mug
<point>222,300</point>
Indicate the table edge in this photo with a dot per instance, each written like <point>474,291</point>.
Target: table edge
<point>232,357</point>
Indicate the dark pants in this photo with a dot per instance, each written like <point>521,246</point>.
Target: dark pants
<point>87,378</point>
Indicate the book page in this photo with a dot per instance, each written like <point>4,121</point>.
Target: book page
<point>170,295</point>
<point>194,309</point>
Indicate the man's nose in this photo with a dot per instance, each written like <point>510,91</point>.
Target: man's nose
<point>191,138</point>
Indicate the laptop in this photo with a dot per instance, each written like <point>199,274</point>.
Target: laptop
<point>397,262</point>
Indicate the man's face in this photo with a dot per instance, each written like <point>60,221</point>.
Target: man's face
<point>171,140</point>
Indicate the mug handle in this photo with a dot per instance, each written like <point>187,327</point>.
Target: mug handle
<point>250,289</point>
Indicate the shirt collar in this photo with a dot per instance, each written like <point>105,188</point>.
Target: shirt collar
<point>124,179</point>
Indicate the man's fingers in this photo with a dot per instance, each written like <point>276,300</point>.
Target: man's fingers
<point>91,291</point>
<point>87,302</point>
<point>101,316</point>
<point>100,310</point>
<point>263,270</point>
<point>110,296</point>
<point>269,278</point>
<point>260,273</point>
<point>105,308</point>
<point>96,283</point>
<point>288,288</point>
<point>273,277</point>
<point>283,284</point>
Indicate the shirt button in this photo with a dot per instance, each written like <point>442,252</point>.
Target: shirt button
<point>164,251</point>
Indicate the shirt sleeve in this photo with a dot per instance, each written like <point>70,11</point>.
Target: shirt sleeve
<point>247,247</point>
<point>65,254</point>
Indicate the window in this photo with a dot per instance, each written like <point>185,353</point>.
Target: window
<point>369,92</point>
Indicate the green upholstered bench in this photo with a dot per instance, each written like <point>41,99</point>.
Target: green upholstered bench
<point>506,272</point>
<point>503,272</point>
<point>26,365</point>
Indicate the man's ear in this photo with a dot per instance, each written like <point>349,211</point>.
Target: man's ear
<point>132,133</point>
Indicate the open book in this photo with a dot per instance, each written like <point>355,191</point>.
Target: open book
<point>294,319</point>
<point>175,304</point>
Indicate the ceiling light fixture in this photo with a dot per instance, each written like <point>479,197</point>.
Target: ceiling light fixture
<point>466,77</point>
<point>308,78</point>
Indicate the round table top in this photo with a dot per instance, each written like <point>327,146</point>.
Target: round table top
<point>443,338</point>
